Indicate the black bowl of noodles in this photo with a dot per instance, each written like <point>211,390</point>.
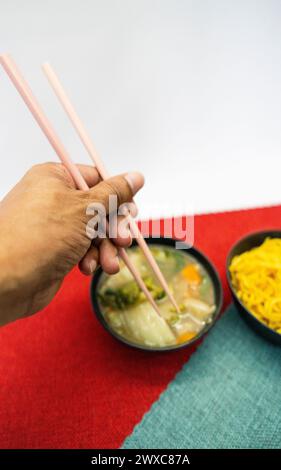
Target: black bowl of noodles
<point>254,276</point>
<point>124,312</point>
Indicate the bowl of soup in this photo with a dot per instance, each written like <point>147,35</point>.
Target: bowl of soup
<point>125,313</point>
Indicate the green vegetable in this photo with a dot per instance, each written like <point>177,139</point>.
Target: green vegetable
<point>121,297</point>
<point>174,319</point>
<point>174,258</point>
<point>130,294</point>
<point>157,292</point>
<point>180,260</point>
<point>182,308</point>
<point>159,295</point>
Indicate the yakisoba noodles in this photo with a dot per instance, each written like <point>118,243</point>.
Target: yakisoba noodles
<point>256,278</point>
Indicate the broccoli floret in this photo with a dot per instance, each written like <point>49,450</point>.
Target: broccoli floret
<point>121,297</point>
<point>157,292</point>
<point>129,294</point>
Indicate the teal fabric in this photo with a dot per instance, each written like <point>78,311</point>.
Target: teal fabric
<point>227,396</point>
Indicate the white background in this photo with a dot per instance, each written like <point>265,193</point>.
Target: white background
<point>189,92</point>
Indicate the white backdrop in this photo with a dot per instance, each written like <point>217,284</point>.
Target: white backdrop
<point>186,91</point>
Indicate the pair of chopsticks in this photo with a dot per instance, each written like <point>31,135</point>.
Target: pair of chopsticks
<point>33,105</point>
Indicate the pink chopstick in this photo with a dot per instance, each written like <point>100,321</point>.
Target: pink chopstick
<point>88,144</point>
<point>39,115</point>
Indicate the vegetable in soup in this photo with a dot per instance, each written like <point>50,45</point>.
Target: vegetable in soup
<point>130,315</point>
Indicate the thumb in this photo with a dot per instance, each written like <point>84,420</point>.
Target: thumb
<point>122,186</point>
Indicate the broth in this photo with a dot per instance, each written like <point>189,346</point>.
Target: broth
<point>127,311</point>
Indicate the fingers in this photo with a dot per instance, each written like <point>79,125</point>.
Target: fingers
<point>124,187</point>
<point>90,174</point>
<point>108,257</point>
<point>104,254</point>
<point>90,262</point>
<point>122,236</point>
<point>104,251</point>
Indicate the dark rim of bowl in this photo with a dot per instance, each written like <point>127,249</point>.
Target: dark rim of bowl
<point>274,233</point>
<point>202,259</point>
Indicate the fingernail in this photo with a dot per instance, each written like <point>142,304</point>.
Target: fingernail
<point>134,210</point>
<point>129,208</point>
<point>128,236</point>
<point>93,265</point>
<point>135,180</point>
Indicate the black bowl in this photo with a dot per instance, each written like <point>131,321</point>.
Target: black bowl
<point>201,259</point>
<point>244,244</point>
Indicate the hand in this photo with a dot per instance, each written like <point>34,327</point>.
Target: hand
<point>43,234</point>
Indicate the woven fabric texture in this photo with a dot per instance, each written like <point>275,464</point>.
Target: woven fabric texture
<point>226,396</point>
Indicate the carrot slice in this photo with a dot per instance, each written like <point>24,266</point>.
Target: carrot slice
<point>185,337</point>
<point>191,274</point>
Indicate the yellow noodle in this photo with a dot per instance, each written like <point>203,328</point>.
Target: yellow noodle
<point>256,278</point>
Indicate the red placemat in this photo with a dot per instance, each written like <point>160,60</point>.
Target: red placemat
<point>65,383</point>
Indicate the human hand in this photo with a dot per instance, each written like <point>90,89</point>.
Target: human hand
<point>43,235</point>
